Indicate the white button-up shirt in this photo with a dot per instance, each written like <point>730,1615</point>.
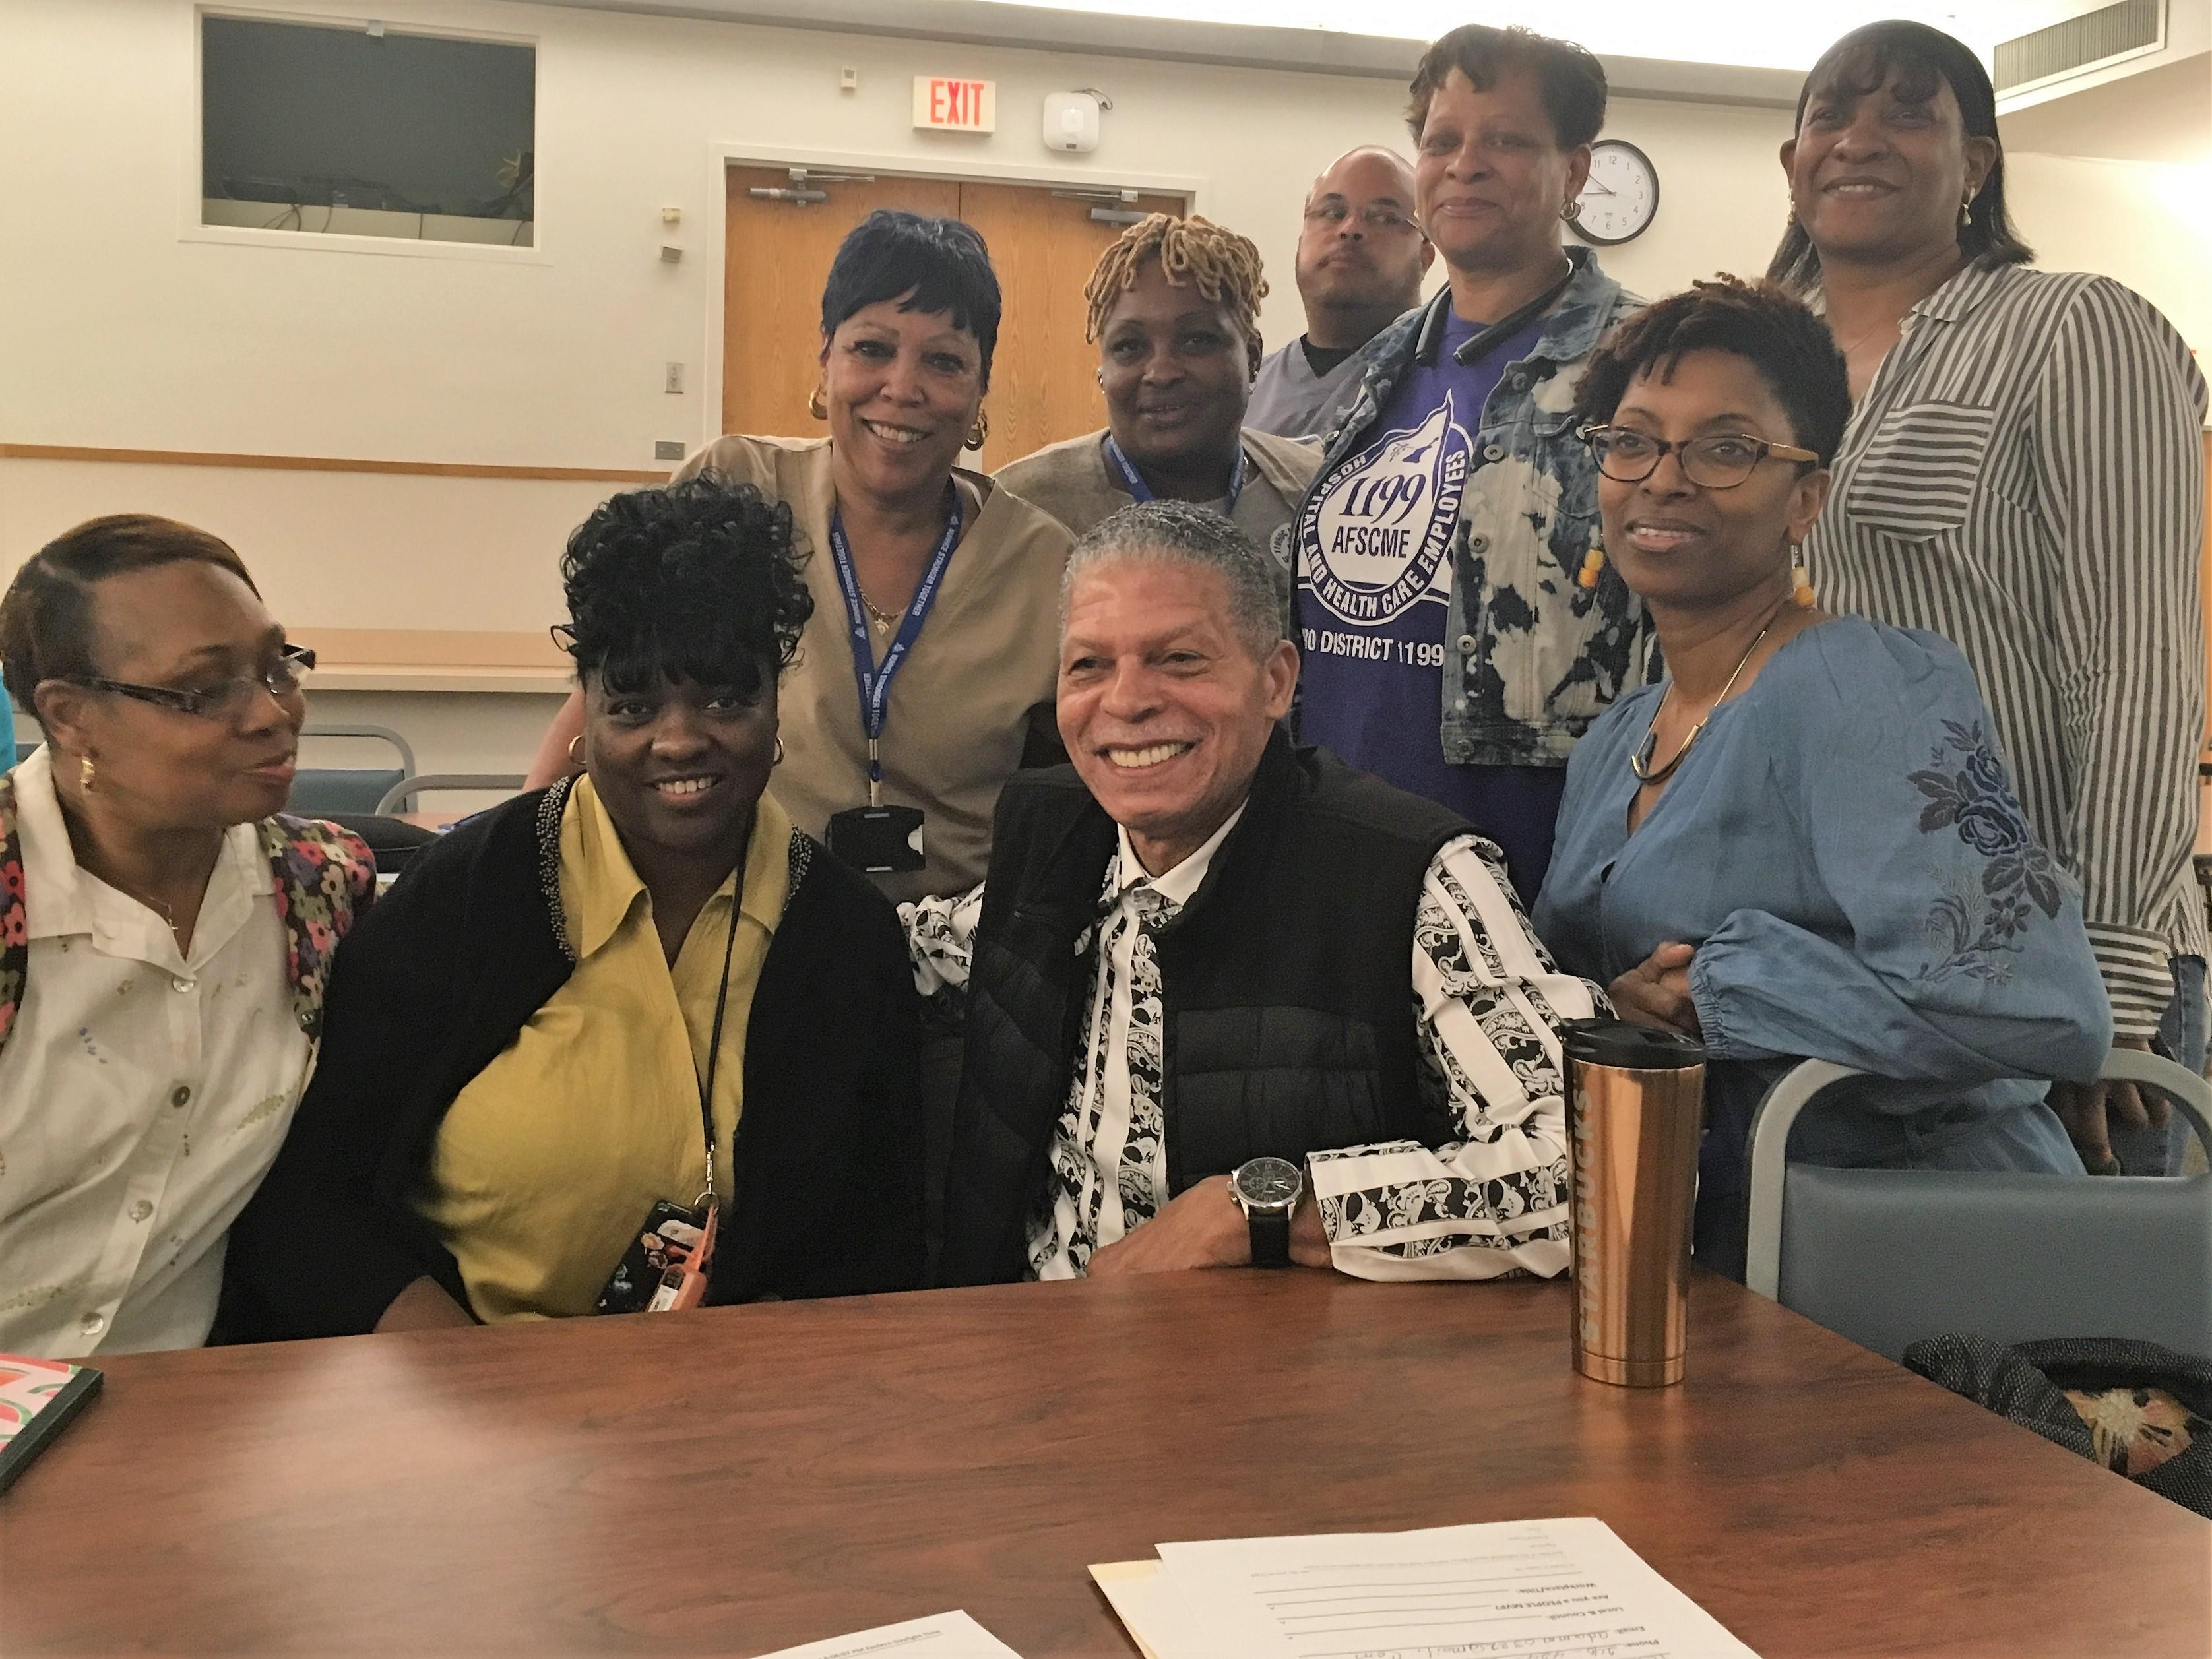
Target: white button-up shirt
<point>1487,1003</point>
<point>143,1094</point>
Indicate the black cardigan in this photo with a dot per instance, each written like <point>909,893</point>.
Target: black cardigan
<point>438,979</point>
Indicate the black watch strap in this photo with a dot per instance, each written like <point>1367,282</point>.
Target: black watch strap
<point>1271,1238</point>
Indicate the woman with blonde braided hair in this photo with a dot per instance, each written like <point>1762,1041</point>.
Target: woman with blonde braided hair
<point>1175,310</point>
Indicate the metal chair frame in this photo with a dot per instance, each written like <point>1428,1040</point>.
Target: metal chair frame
<point>1778,1113</point>
<point>426,781</point>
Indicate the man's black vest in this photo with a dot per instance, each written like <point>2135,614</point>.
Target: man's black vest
<point>1289,1024</point>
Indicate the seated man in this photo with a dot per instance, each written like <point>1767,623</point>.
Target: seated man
<point>1214,985</point>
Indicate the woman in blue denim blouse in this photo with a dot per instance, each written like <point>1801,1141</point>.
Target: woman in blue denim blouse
<point>1802,844</point>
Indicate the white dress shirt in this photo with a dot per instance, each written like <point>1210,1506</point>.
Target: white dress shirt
<point>1488,1003</point>
<point>143,1094</point>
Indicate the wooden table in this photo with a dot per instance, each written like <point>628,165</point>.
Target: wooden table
<point>741,1479</point>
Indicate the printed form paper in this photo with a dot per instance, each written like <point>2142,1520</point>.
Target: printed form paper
<point>947,1635</point>
<point>1526,1589</point>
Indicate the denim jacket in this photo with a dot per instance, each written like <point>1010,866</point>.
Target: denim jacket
<point>1531,657</point>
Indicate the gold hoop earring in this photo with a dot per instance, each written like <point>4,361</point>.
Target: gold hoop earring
<point>575,759</point>
<point>778,761</point>
<point>84,772</point>
<point>1567,213</point>
<point>980,431</point>
<point>815,406</point>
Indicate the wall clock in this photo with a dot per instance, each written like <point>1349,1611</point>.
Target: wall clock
<point>1622,197</point>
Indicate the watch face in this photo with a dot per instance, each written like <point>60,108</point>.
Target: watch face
<point>1622,197</point>
<point>1270,1182</point>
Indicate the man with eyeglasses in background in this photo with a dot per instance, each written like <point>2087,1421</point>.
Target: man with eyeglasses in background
<point>1361,259</point>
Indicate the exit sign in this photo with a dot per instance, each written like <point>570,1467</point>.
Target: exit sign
<point>951,105</point>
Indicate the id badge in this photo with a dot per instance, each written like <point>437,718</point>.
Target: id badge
<point>663,1243</point>
<point>684,1283</point>
<point>878,840</point>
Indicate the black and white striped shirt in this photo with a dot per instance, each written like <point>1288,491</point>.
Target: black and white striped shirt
<point>2025,476</point>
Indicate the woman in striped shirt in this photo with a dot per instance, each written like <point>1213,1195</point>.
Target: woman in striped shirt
<point>2023,473</point>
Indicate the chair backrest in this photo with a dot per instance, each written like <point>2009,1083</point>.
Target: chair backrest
<point>1889,1257</point>
<point>323,792</point>
<point>398,797</point>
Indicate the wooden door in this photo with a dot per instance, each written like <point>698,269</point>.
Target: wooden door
<point>1043,376</point>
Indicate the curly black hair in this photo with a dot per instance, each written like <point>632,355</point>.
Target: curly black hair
<point>1759,322</point>
<point>695,581</point>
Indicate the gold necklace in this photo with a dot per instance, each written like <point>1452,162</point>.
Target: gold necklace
<point>882,619</point>
<point>1640,761</point>
<point>151,903</point>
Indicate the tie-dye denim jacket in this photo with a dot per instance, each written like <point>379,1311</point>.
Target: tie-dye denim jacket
<point>1530,658</point>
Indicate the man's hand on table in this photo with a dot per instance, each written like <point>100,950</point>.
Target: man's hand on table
<point>1204,1227</point>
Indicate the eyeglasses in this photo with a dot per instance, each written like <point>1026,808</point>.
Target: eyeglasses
<point>1721,461</point>
<point>1334,213</point>
<point>227,700</point>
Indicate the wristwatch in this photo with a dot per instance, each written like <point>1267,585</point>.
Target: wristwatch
<point>1268,1190</point>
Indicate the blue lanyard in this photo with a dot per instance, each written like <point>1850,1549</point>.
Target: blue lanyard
<point>874,680</point>
<point>1133,481</point>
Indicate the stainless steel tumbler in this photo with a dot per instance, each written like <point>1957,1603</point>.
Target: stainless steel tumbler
<point>1635,1106</point>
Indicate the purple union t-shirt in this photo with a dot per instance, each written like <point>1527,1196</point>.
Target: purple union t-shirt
<point>1375,576</point>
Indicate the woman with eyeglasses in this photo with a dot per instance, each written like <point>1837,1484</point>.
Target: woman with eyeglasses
<point>1175,310</point>
<point>1802,844</point>
<point>165,931</point>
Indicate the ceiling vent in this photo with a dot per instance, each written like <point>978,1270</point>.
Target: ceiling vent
<point>2095,40</point>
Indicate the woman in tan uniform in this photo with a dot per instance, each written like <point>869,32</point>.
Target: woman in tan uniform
<point>895,754</point>
<point>1174,308</point>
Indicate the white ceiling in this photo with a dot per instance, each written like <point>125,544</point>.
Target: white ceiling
<point>1756,32</point>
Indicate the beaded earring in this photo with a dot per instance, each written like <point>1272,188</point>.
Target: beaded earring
<point>1801,584</point>
<point>1593,563</point>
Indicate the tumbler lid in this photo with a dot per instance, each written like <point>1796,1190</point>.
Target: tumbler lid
<point>1627,1046</point>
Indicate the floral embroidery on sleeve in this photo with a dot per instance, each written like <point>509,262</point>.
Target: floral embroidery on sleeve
<point>1971,794</point>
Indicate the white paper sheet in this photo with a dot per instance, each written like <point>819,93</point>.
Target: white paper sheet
<point>947,1635</point>
<point>1532,1590</point>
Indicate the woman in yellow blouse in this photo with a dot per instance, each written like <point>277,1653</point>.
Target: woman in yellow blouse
<point>610,1008</point>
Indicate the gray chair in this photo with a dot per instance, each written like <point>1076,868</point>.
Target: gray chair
<point>323,792</point>
<point>398,797</point>
<point>1889,1257</point>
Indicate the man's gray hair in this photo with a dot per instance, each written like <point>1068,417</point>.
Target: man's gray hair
<point>1177,533</point>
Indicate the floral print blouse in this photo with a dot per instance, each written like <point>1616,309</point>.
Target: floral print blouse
<point>324,876</point>
<point>1842,848</point>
